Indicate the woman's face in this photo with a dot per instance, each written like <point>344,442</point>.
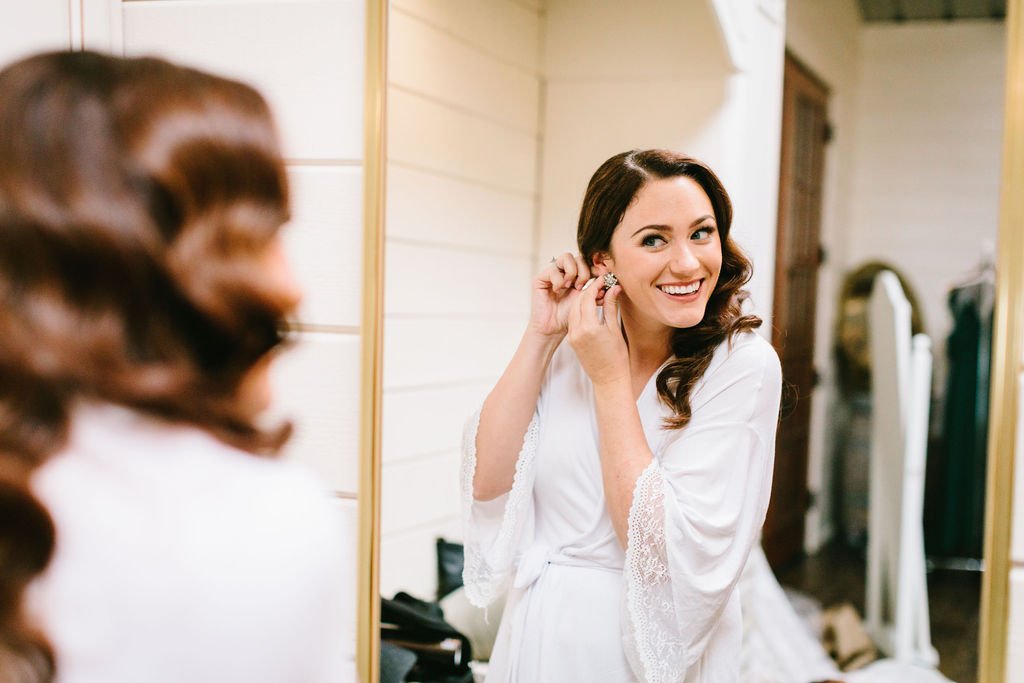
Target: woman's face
<point>280,275</point>
<point>667,254</point>
<point>255,389</point>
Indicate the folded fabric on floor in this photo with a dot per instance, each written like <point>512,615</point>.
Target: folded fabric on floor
<point>778,647</point>
<point>890,671</point>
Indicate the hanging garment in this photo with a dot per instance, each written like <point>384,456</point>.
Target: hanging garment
<point>960,513</point>
<point>666,608</point>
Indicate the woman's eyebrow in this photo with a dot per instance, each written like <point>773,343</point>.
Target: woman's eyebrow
<point>652,227</point>
<point>656,226</point>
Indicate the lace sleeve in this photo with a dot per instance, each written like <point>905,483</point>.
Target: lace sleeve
<point>696,512</point>
<point>688,540</point>
<point>651,646</point>
<point>494,530</point>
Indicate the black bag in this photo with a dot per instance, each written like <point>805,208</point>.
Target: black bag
<point>395,663</point>
<point>442,653</point>
<point>450,560</point>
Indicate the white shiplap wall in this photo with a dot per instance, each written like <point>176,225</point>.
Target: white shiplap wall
<point>463,139</point>
<point>27,27</point>
<point>1015,611</point>
<point>926,161</point>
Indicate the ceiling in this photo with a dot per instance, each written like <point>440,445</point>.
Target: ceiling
<point>917,10</point>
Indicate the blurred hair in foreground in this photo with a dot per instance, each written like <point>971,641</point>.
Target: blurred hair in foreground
<point>137,199</point>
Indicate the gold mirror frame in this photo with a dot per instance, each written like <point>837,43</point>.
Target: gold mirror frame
<point>1006,365</point>
<point>372,333</point>
<point>1008,345</point>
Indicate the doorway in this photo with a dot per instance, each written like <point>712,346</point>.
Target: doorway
<point>805,131</point>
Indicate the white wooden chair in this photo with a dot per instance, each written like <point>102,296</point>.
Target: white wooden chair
<point>901,367</point>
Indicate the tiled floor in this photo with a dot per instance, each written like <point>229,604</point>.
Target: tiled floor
<point>836,574</point>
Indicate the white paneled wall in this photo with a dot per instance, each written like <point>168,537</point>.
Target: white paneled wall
<point>317,384</point>
<point>463,137</point>
<point>1017,535</point>
<point>27,27</point>
<point>306,56</point>
<point>926,166</point>
<point>325,240</point>
<point>1015,628</point>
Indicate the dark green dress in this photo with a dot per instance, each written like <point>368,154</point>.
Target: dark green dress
<point>959,508</point>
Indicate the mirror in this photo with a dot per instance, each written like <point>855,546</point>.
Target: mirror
<point>890,137</point>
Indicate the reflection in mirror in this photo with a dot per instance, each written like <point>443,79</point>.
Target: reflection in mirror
<point>848,146</point>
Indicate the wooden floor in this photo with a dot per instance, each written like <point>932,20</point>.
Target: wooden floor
<point>836,574</point>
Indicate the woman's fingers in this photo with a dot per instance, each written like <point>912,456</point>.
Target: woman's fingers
<point>568,270</point>
<point>582,271</point>
<point>573,319</point>
<point>611,306</point>
<point>588,301</point>
<point>555,291</point>
<point>567,267</point>
<point>554,274</point>
<point>599,344</point>
<point>583,315</point>
<point>555,278</point>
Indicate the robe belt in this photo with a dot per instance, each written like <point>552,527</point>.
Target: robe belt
<point>536,558</point>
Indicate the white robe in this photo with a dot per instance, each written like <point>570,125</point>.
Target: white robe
<point>665,609</point>
<point>179,558</point>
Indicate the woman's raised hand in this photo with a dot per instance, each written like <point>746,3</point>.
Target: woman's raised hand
<point>597,339</point>
<point>555,289</point>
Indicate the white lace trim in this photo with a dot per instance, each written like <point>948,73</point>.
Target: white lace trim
<point>651,641</point>
<point>484,576</point>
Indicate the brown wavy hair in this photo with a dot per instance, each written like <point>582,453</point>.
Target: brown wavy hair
<point>137,199</point>
<point>612,189</point>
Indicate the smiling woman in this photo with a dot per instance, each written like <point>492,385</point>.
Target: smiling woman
<point>657,196</point>
<point>552,88</point>
<point>624,536</point>
<point>673,259</point>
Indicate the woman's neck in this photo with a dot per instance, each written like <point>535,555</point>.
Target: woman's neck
<point>649,346</point>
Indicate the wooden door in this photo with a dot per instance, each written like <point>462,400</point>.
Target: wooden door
<point>805,131</point>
